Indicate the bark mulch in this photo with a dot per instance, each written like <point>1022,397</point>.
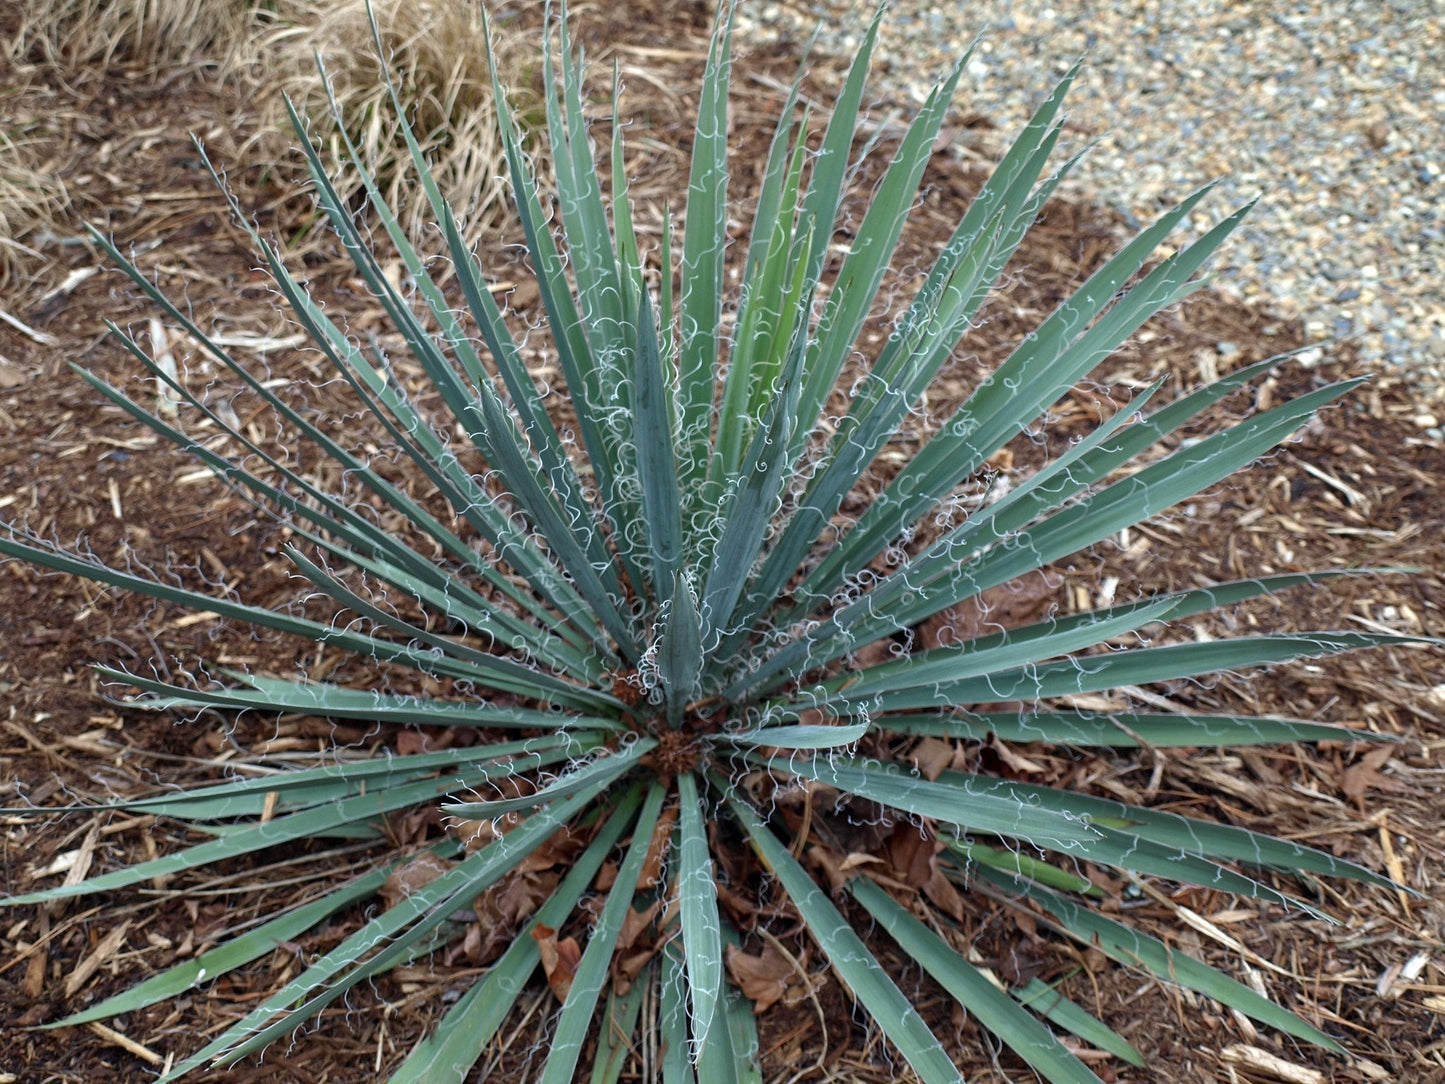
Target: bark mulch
<point>1362,488</point>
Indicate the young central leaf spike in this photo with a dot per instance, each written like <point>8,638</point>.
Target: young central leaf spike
<point>677,605</point>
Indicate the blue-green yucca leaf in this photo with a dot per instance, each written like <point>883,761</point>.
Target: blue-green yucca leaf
<point>484,310</point>
<point>384,941</point>
<point>870,252</point>
<point>1125,729</point>
<point>1013,649</point>
<point>359,809</point>
<point>801,735</point>
<point>959,806</point>
<point>604,288</point>
<point>952,570</point>
<point>726,1052</point>
<point>701,266</point>
<point>567,652</point>
<point>618,1028</point>
<point>322,509</point>
<point>382,618</point>
<point>999,653</point>
<point>1054,1007</point>
<point>1137,666</point>
<point>976,992</point>
<point>673,1018</point>
<point>629,256</point>
<point>475,406</point>
<point>597,404</point>
<point>858,968</point>
<point>680,657</point>
<point>575,1020</point>
<point>966,267</point>
<point>831,169</point>
<point>698,917</point>
<point>1184,835</point>
<point>589,779</point>
<point>731,1051</point>
<point>1017,863</point>
<point>654,437</point>
<point>339,702</point>
<point>1127,850</point>
<point>1128,946</point>
<point>524,397</point>
<point>1048,362</point>
<point>591,251</point>
<point>748,507</point>
<point>675,594</point>
<point>447,1055</point>
<point>528,680</point>
<point>1008,536</point>
<point>282,790</point>
<point>234,953</point>
<point>769,309</point>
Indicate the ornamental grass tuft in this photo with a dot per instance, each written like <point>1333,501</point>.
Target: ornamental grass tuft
<point>655,600</point>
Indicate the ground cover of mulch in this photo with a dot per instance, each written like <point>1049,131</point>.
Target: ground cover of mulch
<point>1359,489</point>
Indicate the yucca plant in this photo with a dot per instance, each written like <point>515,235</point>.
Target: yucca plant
<point>652,602</point>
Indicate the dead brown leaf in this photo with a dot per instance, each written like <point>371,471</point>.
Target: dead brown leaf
<point>413,877</point>
<point>913,854</point>
<point>910,849</point>
<point>474,835</point>
<point>764,978</point>
<point>934,756</point>
<point>657,849</point>
<point>1016,762</point>
<point>1366,775</point>
<point>11,375</point>
<point>33,985</point>
<point>559,959</point>
<point>426,739</point>
<point>942,893</point>
<point>635,923</point>
<point>503,908</point>
<point>415,827</point>
<point>1018,602</point>
<point>830,864</point>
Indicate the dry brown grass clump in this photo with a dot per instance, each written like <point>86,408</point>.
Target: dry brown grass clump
<point>72,35</point>
<point>30,198</point>
<point>263,50</point>
<point>435,52</point>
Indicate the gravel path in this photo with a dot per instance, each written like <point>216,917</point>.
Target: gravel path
<point>1333,111</point>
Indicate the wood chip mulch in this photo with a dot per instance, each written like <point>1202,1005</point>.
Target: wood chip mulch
<point>1362,488</point>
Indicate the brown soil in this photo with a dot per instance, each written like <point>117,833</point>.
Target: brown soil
<point>1360,489</point>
